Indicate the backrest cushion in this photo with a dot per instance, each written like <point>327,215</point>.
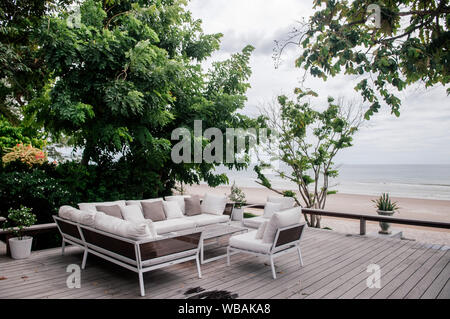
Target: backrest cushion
<point>153,210</point>
<point>179,199</point>
<point>113,210</point>
<point>91,206</point>
<point>172,210</point>
<point>279,220</point>
<point>192,206</point>
<point>271,208</point>
<point>287,202</point>
<point>122,227</point>
<point>261,230</point>
<point>78,216</point>
<point>132,213</point>
<point>138,201</point>
<point>213,204</point>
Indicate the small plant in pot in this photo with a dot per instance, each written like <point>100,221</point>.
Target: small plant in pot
<point>385,207</point>
<point>18,219</point>
<point>238,197</point>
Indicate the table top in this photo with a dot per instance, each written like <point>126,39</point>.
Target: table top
<point>211,231</point>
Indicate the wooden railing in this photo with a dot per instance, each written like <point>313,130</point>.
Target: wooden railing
<point>366,217</point>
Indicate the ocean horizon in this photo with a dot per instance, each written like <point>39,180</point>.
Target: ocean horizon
<point>399,180</point>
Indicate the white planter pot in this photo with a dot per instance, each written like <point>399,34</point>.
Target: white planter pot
<point>20,248</point>
<point>238,214</point>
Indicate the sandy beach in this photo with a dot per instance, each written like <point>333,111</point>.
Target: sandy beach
<point>425,209</point>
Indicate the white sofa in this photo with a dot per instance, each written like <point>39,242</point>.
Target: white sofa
<point>170,225</point>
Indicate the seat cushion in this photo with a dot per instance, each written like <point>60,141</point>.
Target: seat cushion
<point>122,227</point>
<point>254,222</point>
<point>208,219</point>
<point>170,225</point>
<point>249,242</point>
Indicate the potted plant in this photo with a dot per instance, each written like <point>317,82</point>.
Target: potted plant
<point>387,208</point>
<point>238,197</point>
<point>18,219</point>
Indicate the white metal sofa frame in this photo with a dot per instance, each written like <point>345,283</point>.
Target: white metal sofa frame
<point>287,239</point>
<point>139,256</point>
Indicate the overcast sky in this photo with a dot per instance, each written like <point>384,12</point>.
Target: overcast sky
<point>419,136</point>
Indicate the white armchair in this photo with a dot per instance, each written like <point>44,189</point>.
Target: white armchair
<point>282,234</point>
<point>273,204</point>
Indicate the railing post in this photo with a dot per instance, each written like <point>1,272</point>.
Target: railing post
<point>362,226</point>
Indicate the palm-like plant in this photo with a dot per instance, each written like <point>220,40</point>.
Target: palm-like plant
<point>384,203</point>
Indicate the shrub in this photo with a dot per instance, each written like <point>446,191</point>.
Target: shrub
<point>27,154</point>
<point>18,219</point>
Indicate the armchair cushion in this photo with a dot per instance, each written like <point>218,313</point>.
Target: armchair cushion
<point>286,202</point>
<point>254,222</point>
<point>249,242</point>
<point>271,208</point>
<point>279,220</point>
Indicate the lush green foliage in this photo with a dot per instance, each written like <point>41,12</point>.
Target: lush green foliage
<point>384,203</point>
<point>307,140</point>
<point>22,73</point>
<point>237,196</point>
<point>18,219</point>
<point>412,45</point>
<point>11,135</point>
<point>128,75</point>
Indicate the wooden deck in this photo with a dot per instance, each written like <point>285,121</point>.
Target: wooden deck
<point>334,267</point>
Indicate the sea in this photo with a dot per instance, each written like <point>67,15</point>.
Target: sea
<point>411,181</point>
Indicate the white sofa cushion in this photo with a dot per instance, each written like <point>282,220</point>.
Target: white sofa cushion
<point>254,222</point>
<point>171,225</point>
<point>248,241</point>
<point>287,202</point>
<point>78,216</point>
<point>138,201</point>
<point>177,198</point>
<point>91,206</point>
<point>271,208</point>
<point>172,210</point>
<point>281,219</point>
<point>132,213</point>
<point>213,204</point>
<point>261,230</point>
<point>122,227</point>
<point>208,219</point>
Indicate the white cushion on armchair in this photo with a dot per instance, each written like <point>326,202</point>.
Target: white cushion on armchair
<point>282,219</point>
<point>286,202</point>
<point>248,241</point>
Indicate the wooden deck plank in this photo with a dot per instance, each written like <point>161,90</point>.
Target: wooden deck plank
<point>335,266</point>
<point>353,292</point>
<point>358,273</point>
<point>344,284</point>
<point>427,280</point>
<point>438,284</point>
<point>412,280</point>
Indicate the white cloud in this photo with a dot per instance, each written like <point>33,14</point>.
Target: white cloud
<point>419,136</point>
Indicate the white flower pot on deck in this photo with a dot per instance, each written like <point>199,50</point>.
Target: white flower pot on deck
<point>20,248</point>
<point>238,213</point>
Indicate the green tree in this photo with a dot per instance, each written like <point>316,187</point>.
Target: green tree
<point>305,141</point>
<point>410,45</point>
<point>22,73</point>
<point>128,74</point>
